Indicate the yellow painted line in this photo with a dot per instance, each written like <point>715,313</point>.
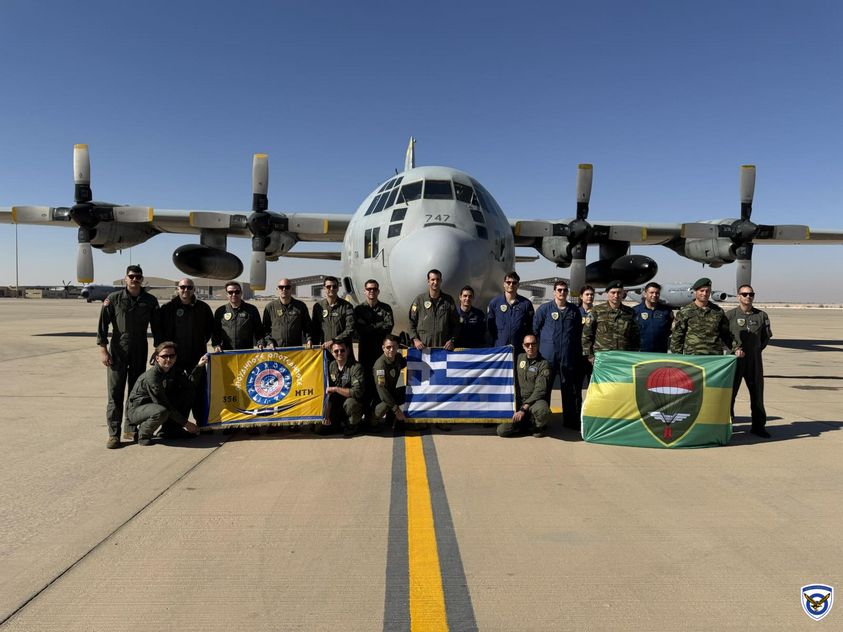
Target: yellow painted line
<point>427,599</point>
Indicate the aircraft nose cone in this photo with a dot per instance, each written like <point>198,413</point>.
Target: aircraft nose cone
<point>461,258</point>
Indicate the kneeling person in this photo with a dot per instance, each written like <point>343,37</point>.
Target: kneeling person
<point>531,393</point>
<point>162,396</point>
<point>345,392</point>
<point>386,372</point>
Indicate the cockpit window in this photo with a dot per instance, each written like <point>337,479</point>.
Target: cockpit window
<point>486,200</point>
<point>410,192</point>
<point>391,199</point>
<point>385,186</point>
<point>372,206</point>
<point>438,190</point>
<point>381,203</point>
<point>464,193</point>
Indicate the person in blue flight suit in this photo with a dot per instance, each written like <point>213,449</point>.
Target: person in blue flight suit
<point>558,326</point>
<point>510,316</point>
<point>655,320</point>
<point>473,331</point>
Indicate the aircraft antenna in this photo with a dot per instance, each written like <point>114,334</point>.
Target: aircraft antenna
<point>410,158</point>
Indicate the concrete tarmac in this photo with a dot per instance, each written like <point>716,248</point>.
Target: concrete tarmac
<point>297,532</point>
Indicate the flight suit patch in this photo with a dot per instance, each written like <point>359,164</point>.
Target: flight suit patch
<point>427,304</point>
<point>324,313</point>
<point>522,364</point>
<point>741,321</point>
<point>504,307</point>
<point>244,315</point>
<point>227,316</point>
<point>645,316</point>
<point>555,315</point>
<point>179,312</point>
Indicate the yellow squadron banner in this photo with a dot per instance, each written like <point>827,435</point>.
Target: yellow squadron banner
<point>266,388</point>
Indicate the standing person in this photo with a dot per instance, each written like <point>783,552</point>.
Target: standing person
<point>701,326</point>
<point>161,397</point>
<point>586,304</point>
<point>373,320</point>
<point>129,313</point>
<point>189,323</point>
<point>345,392</point>
<point>558,327</point>
<point>509,316</point>
<point>285,319</point>
<point>386,372</point>
<point>531,395</point>
<point>472,322</point>
<point>333,317</point>
<point>610,326</point>
<point>750,328</point>
<point>237,324</point>
<point>433,316</point>
<point>654,320</point>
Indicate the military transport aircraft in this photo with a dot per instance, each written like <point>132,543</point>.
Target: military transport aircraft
<point>421,218</point>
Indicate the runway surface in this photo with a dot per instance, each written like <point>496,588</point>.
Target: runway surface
<point>459,530</point>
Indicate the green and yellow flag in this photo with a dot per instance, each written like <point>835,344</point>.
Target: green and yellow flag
<point>266,388</point>
<point>657,400</point>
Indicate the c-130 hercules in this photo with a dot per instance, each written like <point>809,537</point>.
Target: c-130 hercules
<point>421,218</point>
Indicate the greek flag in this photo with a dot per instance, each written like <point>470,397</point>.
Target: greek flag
<point>467,386</point>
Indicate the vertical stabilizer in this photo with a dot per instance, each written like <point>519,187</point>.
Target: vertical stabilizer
<point>410,158</point>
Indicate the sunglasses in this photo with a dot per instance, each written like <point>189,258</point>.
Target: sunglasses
<point>135,276</point>
<point>232,292</point>
<point>166,356</point>
<point>284,287</point>
<point>529,344</point>
<point>372,289</point>
<point>561,289</point>
<point>750,294</point>
<point>185,287</point>
<point>510,282</point>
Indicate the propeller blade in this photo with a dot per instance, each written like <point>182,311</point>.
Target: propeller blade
<point>747,184</point>
<point>584,178</point>
<point>132,214</point>
<point>81,165</point>
<point>257,271</point>
<point>31,214</point>
<point>260,182</point>
<point>577,273</point>
<point>743,275</point>
<point>84,263</point>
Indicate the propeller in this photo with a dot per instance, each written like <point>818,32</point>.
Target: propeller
<point>87,214</point>
<point>260,221</point>
<point>743,232</point>
<point>579,229</point>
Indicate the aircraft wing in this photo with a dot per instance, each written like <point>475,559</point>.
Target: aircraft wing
<point>315,227</point>
<point>530,232</point>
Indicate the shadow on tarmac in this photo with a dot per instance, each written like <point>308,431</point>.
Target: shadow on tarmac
<point>804,344</point>
<point>793,430</point>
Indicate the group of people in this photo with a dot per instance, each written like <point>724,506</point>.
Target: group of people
<point>559,342</point>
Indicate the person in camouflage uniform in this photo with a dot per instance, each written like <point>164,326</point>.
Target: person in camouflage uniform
<point>701,327</point>
<point>386,373</point>
<point>162,396</point>
<point>433,316</point>
<point>286,320</point>
<point>129,312</point>
<point>345,393</point>
<point>531,394</point>
<point>333,317</point>
<point>750,328</point>
<point>610,326</point>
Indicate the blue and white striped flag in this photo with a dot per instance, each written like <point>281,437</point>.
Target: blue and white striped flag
<point>466,386</point>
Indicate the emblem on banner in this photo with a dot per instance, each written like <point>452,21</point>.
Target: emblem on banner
<point>817,600</point>
<point>669,397</point>
<point>268,383</point>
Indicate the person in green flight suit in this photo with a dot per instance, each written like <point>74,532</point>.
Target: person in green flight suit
<point>532,393</point>
<point>128,313</point>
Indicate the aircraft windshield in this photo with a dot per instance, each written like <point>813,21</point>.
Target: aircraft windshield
<point>410,192</point>
<point>438,190</point>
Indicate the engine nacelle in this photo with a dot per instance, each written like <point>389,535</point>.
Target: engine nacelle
<point>714,252</point>
<point>113,236</point>
<point>555,249</point>
<point>207,262</point>
<point>628,269</point>
<point>279,243</point>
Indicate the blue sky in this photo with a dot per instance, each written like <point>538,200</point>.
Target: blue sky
<point>666,99</point>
